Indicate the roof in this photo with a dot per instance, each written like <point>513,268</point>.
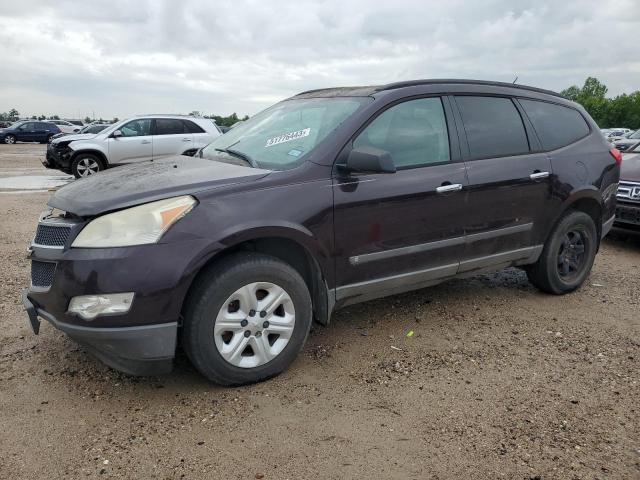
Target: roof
<point>370,90</point>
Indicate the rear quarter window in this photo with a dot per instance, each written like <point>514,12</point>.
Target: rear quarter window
<point>192,127</point>
<point>556,125</point>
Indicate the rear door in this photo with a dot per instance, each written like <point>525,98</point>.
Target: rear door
<point>509,182</point>
<point>135,144</point>
<point>399,231</point>
<point>170,137</point>
<point>200,137</point>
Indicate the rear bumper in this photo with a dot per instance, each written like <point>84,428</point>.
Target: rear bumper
<point>139,350</point>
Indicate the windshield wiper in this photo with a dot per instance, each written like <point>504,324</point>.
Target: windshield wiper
<point>238,154</point>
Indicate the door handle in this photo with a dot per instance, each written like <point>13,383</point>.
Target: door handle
<point>145,142</point>
<point>538,175</point>
<point>455,187</point>
<point>186,139</point>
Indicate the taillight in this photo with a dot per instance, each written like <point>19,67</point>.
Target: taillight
<point>615,153</point>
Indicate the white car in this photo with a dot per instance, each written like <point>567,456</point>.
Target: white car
<point>65,126</point>
<point>136,139</point>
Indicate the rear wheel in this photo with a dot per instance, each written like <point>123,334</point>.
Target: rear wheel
<point>10,139</point>
<point>246,319</point>
<point>568,255</point>
<point>86,164</point>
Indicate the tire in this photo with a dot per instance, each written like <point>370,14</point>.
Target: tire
<point>220,292</point>
<point>86,164</point>
<point>49,138</point>
<point>10,139</point>
<point>568,255</point>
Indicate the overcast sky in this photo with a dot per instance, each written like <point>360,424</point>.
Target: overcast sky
<point>118,58</point>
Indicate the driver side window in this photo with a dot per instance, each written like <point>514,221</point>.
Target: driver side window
<point>136,128</point>
<point>413,132</point>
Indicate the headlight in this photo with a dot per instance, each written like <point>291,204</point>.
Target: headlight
<point>136,225</point>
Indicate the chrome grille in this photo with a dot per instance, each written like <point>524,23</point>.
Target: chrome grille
<point>629,191</point>
<point>52,235</point>
<point>42,273</point>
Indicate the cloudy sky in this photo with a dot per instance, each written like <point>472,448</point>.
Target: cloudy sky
<point>118,58</point>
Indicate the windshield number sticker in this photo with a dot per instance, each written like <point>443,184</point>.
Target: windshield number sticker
<point>288,137</point>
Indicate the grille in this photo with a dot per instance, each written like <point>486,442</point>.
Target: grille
<point>42,273</point>
<point>51,235</point>
<point>628,214</point>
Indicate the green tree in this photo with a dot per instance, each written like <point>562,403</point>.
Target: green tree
<point>87,119</point>
<point>13,114</point>
<point>620,111</point>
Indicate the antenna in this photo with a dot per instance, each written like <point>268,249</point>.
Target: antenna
<point>515,79</point>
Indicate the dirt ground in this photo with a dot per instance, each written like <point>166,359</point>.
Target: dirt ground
<point>498,381</point>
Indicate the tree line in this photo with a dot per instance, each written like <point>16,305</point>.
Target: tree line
<point>13,115</point>
<point>622,111</point>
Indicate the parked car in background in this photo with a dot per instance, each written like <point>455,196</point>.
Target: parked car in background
<point>66,126</point>
<point>76,122</point>
<point>628,208</point>
<point>329,198</point>
<point>89,130</point>
<point>624,144</point>
<point>130,141</point>
<point>29,131</point>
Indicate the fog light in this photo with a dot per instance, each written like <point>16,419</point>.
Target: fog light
<point>91,306</point>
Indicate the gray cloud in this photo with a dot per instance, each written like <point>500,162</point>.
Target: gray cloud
<point>121,58</point>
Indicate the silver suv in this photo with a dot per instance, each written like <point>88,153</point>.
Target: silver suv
<point>133,140</point>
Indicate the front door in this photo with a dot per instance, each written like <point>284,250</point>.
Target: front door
<point>399,231</point>
<point>26,132</point>
<point>135,144</point>
<point>509,188</point>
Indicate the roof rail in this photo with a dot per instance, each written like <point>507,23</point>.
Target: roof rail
<point>412,83</point>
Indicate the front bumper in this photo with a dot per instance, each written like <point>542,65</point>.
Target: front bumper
<point>627,216</point>
<point>141,350</point>
<point>58,158</point>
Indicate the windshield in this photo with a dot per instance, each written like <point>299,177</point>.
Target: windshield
<point>93,129</point>
<point>279,137</point>
<point>635,135</point>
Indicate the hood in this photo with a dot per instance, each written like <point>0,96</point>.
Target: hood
<point>630,168</point>
<point>74,136</point>
<point>130,185</point>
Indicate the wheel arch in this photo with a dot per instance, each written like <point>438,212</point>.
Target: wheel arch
<point>93,151</point>
<point>285,246</point>
<point>587,201</point>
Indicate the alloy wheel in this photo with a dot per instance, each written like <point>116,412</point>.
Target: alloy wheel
<point>87,166</point>
<point>571,255</point>
<point>9,139</point>
<point>254,324</point>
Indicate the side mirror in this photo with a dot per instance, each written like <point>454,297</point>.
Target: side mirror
<point>116,134</point>
<point>369,159</point>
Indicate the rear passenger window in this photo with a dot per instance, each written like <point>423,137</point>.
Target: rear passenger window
<point>191,127</point>
<point>413,132</point>
<point>169,126</point>
<point>493,126</point>
<point>556,125</point>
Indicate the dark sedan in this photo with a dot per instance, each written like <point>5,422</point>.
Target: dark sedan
<point>28,131</point>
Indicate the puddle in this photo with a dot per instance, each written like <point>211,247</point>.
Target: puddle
<point>32,183</point>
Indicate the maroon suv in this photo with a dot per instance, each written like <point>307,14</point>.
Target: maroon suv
<point>328,198</point>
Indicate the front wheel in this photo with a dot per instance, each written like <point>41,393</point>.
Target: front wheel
<point>86,164</point>
<point>568,255</point>
<point>246,319</point>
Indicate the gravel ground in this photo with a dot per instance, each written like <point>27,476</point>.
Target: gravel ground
<point>498,381</point>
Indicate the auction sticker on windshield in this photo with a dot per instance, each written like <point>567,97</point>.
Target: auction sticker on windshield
<point>287,137</point>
